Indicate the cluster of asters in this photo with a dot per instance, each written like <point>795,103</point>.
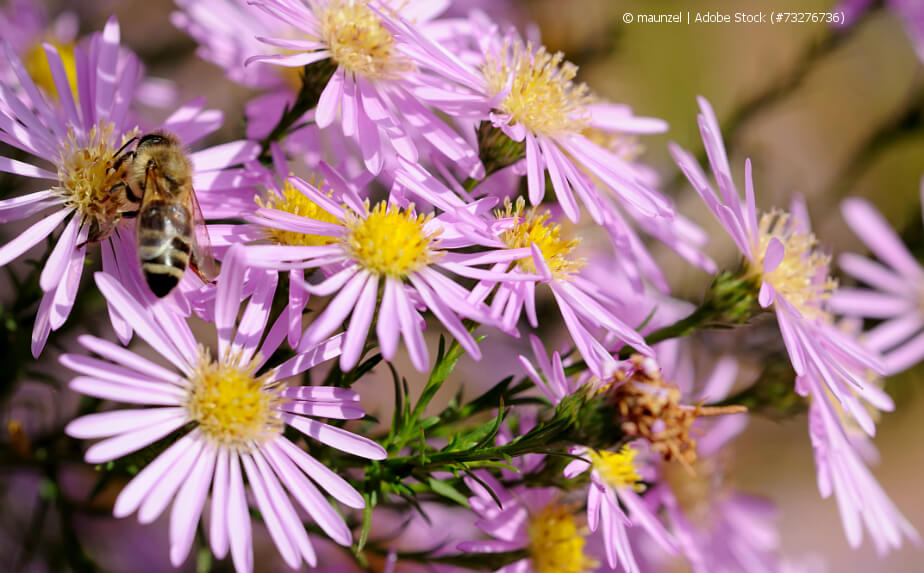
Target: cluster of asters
<point>439,178</point>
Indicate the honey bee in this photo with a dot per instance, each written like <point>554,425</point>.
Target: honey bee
<point>155,187</point>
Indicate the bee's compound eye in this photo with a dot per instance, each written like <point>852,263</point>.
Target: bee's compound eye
<point>151,139</point>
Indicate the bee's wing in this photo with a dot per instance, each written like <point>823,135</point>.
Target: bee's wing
<point>202,260</point>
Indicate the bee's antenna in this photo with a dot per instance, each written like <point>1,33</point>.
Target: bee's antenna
<point>124,145</point>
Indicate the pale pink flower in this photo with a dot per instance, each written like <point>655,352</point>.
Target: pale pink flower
<point>237,408</point>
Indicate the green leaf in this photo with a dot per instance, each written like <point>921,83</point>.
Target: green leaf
<point>446,490</point>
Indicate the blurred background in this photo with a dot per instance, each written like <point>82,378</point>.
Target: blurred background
<point>824,113</point>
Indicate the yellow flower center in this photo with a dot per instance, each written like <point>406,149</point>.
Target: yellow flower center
<point>231,405</point>
<point>86,176</point>
<point>358,41</point>
<point>543,95</point>
<point>390,240</point>
<point>802,276</point>
<point>36,64</point>
<point>533,226</point>
<point>617,468</point>
<point>295,202</point>
<point>556,544</point>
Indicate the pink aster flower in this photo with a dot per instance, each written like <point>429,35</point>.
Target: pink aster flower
<point>783,256</point>
<point>363,247</point>
<point>237,408</point>
<point>78,137</point>
<point>372,75</point>
<point>536,520</point>
<point>897,288</point>
<point>535,101</point>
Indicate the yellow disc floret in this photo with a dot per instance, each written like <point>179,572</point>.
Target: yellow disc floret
<point>802,276</point>
<point>556,543</point>
<point>390,240</point>
<point>358,41</point>
<point>617,468</point>
<point>533,226</point>
<point>231,405</point>
<point>543,95</point>
<point>86,176</point>
<point>295,202</point>
<point>36,64</point>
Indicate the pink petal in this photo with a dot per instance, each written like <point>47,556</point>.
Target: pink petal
<point>332,483</point>
<point>285,511</point>
<point>270,513</point>
<point>106,424</point>
<point>163,491</point>
<point>188,506</point>
<point>218,524</point>
<point>356,334</point>
<point>387,329</point>
<point>32,236</point>
<point>112,448</point>
<point>134,392</point>
<point>140,320</point>
<point>238,520</point>
<point>127,358</point>
<point>335,313</point>
<point>329,102</point>
<point>337,437</point>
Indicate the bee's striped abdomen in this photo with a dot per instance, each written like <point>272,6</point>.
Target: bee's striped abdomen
<point>163,237</point>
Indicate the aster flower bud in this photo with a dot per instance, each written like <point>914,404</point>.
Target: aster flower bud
<point>496,150</point>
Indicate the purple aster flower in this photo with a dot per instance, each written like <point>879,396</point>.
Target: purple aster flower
<point>551,260</point>
<point>897,288</point>
<point>783,256</point>
<point>363,247</point>
<point>374,71</point>
<point>536,520</point>
<point>237,406</point>
<point>535,100</point>
<point>910,12</point>
<point>831,365</point>
<point>79,137</point>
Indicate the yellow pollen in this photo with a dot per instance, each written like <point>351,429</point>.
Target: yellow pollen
<point>534,227</point>
<point>295,202</point>
<point>86,176</point>
<point>617,468</point>
<point>390,240</point>
<point>556,543</point>
<point>36,63</point>
<point>543,95</point>
<point>802,277</point>
<point>358,41</point>
<point>231,405</point>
